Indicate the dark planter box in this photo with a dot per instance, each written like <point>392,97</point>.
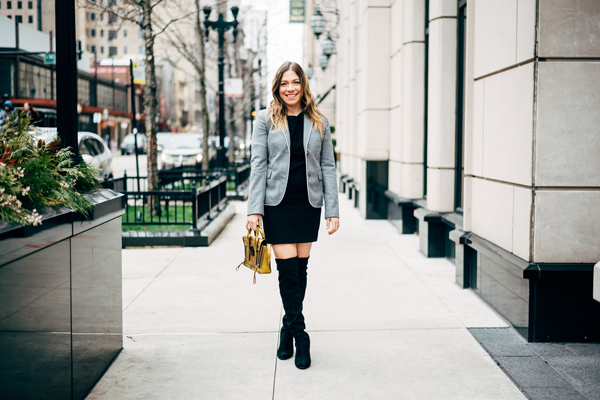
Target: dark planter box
<point>61,301</point>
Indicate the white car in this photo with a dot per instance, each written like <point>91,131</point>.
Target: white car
<point>92,148</point>
<point>96,153</point>
<point>183,149</point>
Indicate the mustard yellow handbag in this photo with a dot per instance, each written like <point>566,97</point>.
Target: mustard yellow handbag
<point>257,252</point>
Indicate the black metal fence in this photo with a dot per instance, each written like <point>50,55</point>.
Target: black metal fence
<point>186,195</point>
<point>173,206</point>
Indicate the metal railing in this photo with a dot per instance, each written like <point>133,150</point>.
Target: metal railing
<point>177,207</point>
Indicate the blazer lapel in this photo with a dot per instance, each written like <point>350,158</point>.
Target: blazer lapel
<point>286,135</point>
<point>308,128</point>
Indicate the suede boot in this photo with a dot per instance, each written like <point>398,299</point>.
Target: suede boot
<point>303,274</point>
<point>291,296</point>
<point>286,344</point>
<point>302,360</point>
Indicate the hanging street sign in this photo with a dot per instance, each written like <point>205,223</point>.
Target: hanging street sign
<point>139,72</point>
<point>50,58</point>
<point>234,87</point>
<point>297,11</point>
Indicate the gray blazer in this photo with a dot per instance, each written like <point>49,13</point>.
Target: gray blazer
<point>271,164</point>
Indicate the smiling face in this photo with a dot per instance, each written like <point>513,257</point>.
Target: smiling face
<point>290,90</point>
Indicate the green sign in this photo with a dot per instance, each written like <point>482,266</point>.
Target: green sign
<point>297,11</point>
<point>50,58</point>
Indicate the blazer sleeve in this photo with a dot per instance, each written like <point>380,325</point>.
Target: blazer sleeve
<point>258,165</point>
<point>330,189</point>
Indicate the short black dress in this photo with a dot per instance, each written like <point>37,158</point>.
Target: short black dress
<point>294,220</point>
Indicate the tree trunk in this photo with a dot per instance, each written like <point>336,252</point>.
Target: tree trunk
<point>201,76</point>
<point>151,104</point>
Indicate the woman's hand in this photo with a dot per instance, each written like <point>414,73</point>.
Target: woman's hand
<point>333,224</point>
<point>253,220</point>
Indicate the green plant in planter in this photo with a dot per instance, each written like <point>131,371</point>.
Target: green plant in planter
<point>35,174</point>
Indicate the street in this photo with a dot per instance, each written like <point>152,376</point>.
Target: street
<point>122,164</point>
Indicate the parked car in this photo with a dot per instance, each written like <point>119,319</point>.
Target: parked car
<point>183,149</point>
<point>92,148</point>
<point>162,138</point>
<point>128,144</point>
<point>95,152</point>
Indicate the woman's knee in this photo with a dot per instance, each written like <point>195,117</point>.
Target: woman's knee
<point>303,249</point>
<point>283,251</point>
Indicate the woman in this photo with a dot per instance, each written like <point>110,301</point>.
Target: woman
<point>293,171</point>
<point>31,113</point>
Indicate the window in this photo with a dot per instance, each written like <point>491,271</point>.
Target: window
<point>125,33</point>
<point>459,160</point>
<point>30,19</point>
<point>125,50</point>
<point>101,16</point>
<point>93,33</point>
<point>93,49</point>
<point>101,49</point>
<point>93,16</point>
<point>425,98</point>
<point>112,18</point>
<point>10,17</point>
<point>19,19</point>
<point>112,51</point>
<point>141,33</point>
<point>30,5</point>
<point>101,32</point>
<point>112,35</point>
<point>141,50</point>
<point>9,5</point>
<point>19,5</point>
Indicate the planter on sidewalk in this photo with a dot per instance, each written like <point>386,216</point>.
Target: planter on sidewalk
<point>60,300</point>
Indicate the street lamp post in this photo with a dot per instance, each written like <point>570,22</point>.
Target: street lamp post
<point>221,26</point>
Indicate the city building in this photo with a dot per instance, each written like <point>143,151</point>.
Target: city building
<point>26,78</point>
<point>35,14</point>
<point>474,123</point>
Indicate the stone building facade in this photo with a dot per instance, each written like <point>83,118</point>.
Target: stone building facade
<point>474,123</point>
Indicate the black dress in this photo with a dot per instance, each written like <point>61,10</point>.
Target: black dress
<point>294,220</point>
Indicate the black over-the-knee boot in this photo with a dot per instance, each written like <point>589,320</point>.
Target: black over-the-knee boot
<point>303,274</point>
<point>291,296</point>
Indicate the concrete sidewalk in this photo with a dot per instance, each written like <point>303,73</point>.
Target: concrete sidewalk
<point>385,323</point>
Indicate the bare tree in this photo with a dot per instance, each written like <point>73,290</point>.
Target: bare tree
<point>142,14</point>
<point>194,51</point>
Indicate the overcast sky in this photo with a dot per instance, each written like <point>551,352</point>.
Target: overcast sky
<point>284,39</point>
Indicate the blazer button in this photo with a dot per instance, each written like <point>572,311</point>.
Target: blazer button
<point>309,174</point>
<point>308,152</point>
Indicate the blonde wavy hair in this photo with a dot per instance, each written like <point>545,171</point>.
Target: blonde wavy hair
<point>278,110</point>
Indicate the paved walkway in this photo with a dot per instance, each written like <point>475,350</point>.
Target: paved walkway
<point>385,323</point>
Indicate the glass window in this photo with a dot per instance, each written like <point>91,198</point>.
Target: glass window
<point>93,16</point>
<point>105,96</point>
<point>101,49</point>
<point>101,16</point>
<point>125,33</point>
<point>101,32</point>
<point>10,17</point>
<point>93,33</point>
<point>459,160</point>
<point>121,99</point>
<point>112,35</point>
<point>30,5</point>
<point>19,19</point>
<point>141,50</point>
<point>83,91</point>
<point>7,77</point>
<point>93,49</point>
<point>94,146</point>
<point>9,5</point>
<point>30,18</point>
<point>125,50</point>
<point>19,5</point>
<point>112,51</point>
<point>83,149</point>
